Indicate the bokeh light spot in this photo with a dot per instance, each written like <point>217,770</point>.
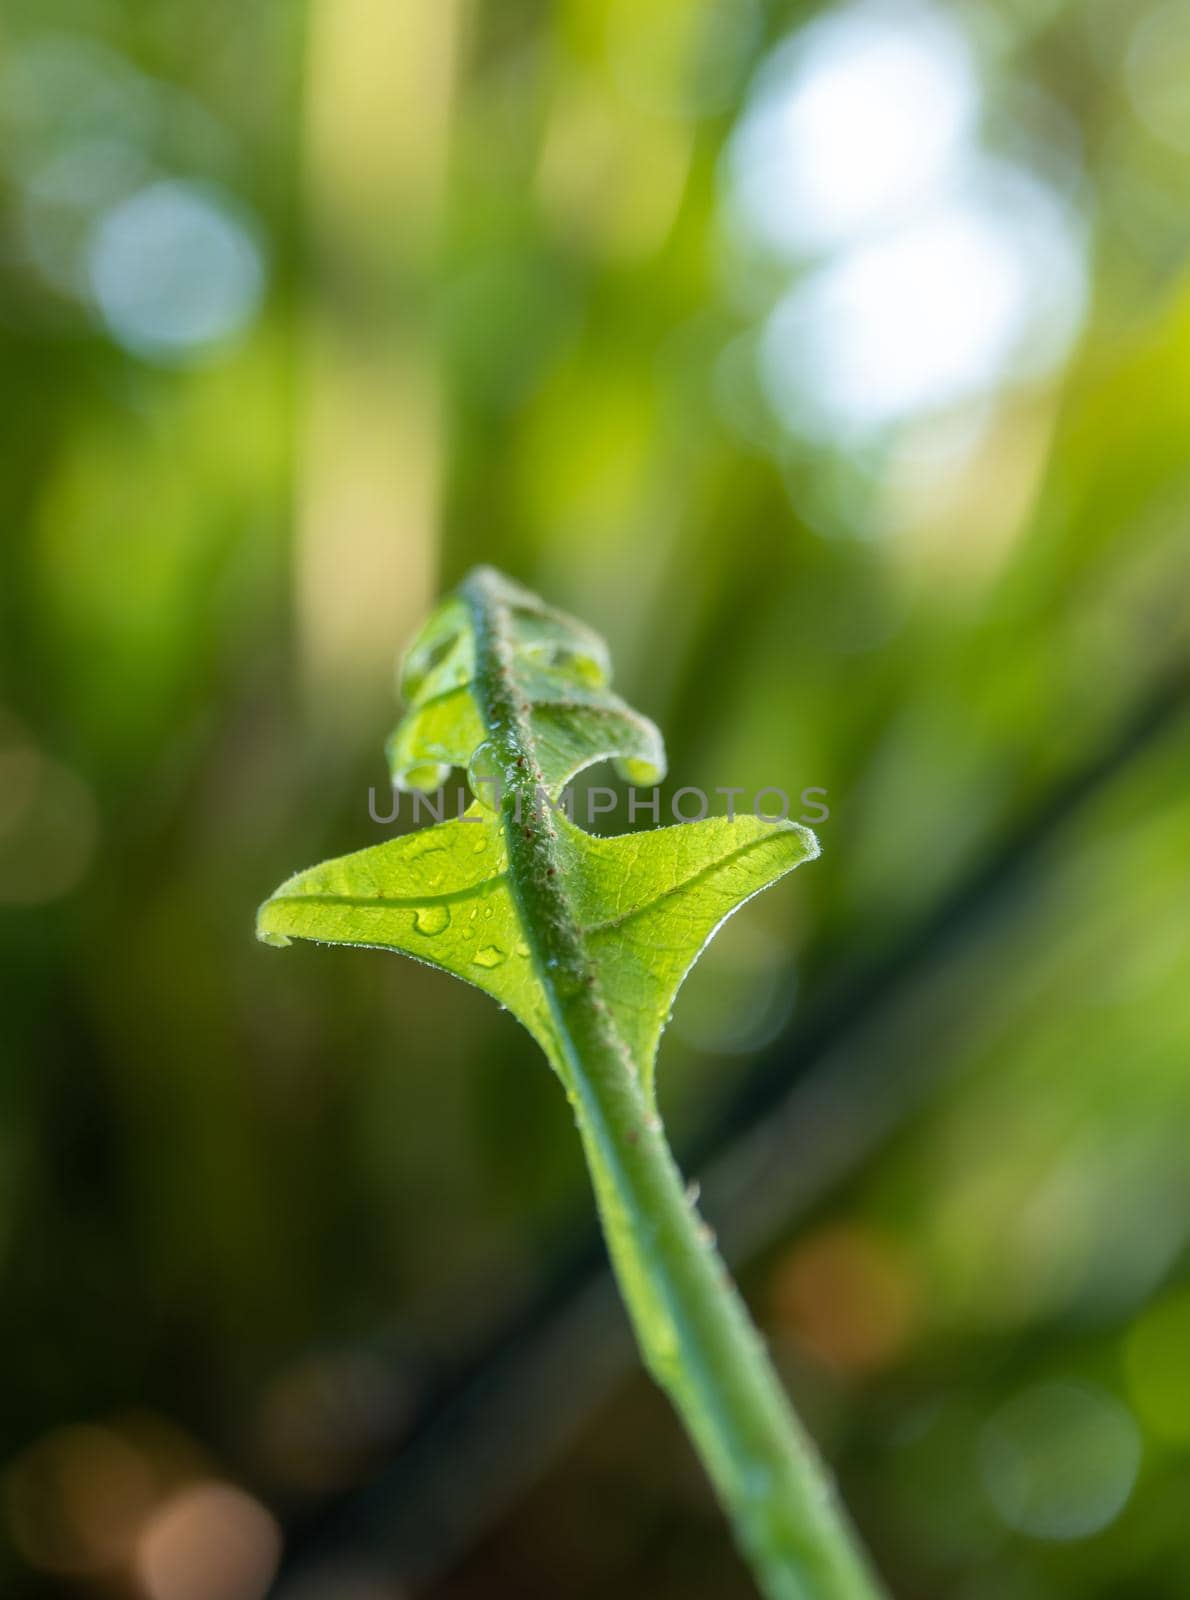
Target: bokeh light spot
<point>47,823</point>
<point>847,1296</point>
<point>1059,1460</point>
<point>74,1500</point>
<point>57,89</point>
<point>175,271</point>
<point>321,1422</point>
<point>1157,1362</point>
<point>209,1542</point>
<point>854,121</point>
<point>930,317</point>
<point>64,196</point>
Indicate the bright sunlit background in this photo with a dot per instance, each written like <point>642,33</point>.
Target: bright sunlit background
<point>833,361</point>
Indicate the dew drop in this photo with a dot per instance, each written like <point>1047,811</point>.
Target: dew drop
<point>522,948</point>
<point>584,666</point>
<point>642,774</point>
<point>490,956</point>
<point>431,920</point>
<point>485,774</point>
<point>427,845</point>
<point>424,775</point>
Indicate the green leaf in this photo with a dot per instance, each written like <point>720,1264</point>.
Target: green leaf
<point>562,674</point>
<point>586,941</point>
<point>649,903</point>
<point>643,905</point>
<point>646,903</point>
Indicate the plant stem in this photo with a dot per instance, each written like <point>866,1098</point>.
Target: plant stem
<point>698,1341</point>
<point>694,1332</point>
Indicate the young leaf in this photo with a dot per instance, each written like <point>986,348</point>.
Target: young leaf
<point>643,905</point>
<point>586,941</point>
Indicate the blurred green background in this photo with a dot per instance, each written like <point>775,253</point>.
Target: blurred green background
<point>834,361</point>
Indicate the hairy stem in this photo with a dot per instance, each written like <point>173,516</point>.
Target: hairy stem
<point>693,1329</point>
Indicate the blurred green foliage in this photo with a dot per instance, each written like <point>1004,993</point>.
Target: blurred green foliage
<point>304,310</point>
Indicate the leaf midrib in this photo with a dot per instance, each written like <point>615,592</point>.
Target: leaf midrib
<point>460,896</point>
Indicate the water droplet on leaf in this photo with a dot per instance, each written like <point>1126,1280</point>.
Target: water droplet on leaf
<point>640,773</point>
<point>431,920</point>
<point>424,775</point>
<point>490,956</point>
<point>485,774</point>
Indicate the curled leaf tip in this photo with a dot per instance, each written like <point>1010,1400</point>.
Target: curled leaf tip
<point>644,905</point>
